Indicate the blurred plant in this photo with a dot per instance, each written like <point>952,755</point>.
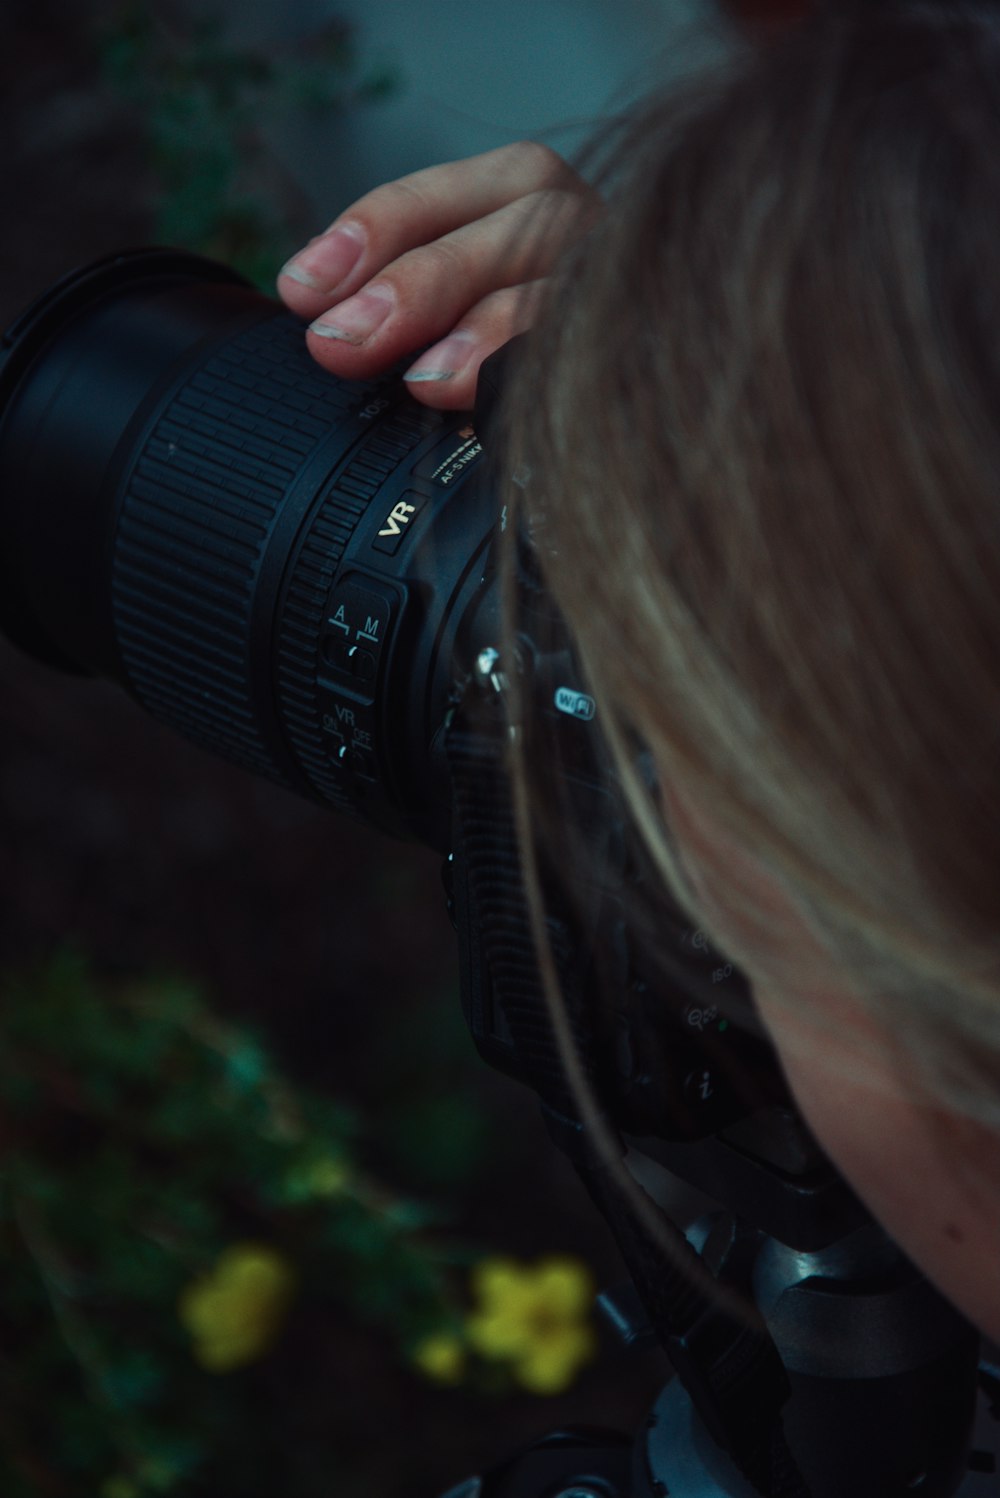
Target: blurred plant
<point>427,1080</point>
<point>176,1218</point>
<point>235,1311</point>
<point>535,1318</point>
<point>205,104</point>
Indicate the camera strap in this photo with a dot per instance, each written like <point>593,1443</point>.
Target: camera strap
<point>731,1371</point>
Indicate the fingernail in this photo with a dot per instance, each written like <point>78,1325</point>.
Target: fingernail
<point>445,360</point>
<point>358,317</point>
<point>329,260</point>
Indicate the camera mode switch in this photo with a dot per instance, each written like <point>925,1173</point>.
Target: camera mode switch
<point>357,625</point>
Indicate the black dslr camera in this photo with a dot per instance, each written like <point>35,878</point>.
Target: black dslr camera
<point>300,573</point>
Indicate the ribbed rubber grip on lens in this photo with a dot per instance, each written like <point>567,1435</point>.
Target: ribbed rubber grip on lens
<point>200,506</point>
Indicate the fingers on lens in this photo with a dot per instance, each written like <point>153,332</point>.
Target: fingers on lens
<point>445,375</point>
<point>424,206</point>
<point>431,290</point>
<point>411,213</point>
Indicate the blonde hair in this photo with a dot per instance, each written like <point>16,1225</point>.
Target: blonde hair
<point>758,424</point>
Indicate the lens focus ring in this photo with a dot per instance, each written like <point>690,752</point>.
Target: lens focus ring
<point>200,507</point>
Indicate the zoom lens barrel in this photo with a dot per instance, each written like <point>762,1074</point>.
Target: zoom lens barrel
<point>275,562</point>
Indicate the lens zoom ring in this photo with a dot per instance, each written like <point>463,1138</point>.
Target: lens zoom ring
<point>196,516</point>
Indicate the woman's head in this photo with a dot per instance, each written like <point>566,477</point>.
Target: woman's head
<point>765,435</point>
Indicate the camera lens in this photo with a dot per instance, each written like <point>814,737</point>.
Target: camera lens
<point>279,564</point>
<point>296,572</point>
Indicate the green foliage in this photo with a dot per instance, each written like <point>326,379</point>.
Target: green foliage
<point>437,1134</point>
<point>205,104</point>
<point>142,1138</point>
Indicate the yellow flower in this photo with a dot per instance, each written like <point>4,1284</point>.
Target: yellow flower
<point>441,1357</point>
<point>535,1319</point>
<point>234,1313</point>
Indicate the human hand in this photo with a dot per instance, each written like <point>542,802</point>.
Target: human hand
<point>453,255</point>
